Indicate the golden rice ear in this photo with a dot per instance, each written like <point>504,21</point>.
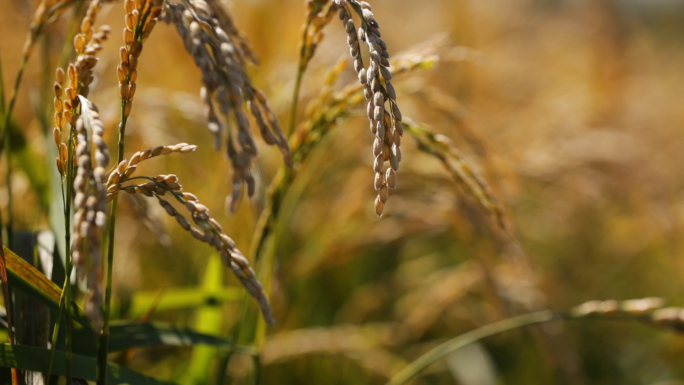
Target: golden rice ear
<point>209,231</point>
<point>140,19</point>
<point>90,205</point>
<point>206,229</point>
<point>382,110</point>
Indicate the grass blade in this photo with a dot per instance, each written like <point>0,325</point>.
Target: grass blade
<point>36,359</point>
<point>209,320</point>
<point>175,299</point>
<point>456,343</point>
<point>32,282</point>
<point>139,335</point>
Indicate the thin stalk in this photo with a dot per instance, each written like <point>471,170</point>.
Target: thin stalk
<point>2,91</point>
<point>539,317</point>
<point>10,216</point>
<point>2,102</point>
<point>65,297</point>
<point>454,344</point>
<point>295,100</point>
<point>103,340</point>
<point>22,67</point>
<point>256,360</point>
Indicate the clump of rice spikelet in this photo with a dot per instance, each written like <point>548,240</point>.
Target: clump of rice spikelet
<point>383,112</point>
<point>650,310</point>
<point>140,19</point>
<point>90,205</point>
<point>312,33</point>
<point>126,168</point>
<point>329,107</point>
<point>59,122</point>
<point>221,58</point>
<point>45,13</point>
<point>86,44</point>
<point>207,229</point>
<point>473,185</point>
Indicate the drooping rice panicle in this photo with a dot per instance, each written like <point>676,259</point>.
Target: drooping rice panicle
<point>221,58</point>
<point>207,230</point>
<point>382,110</point>
<point>473,185</point>
<point>90,206</point>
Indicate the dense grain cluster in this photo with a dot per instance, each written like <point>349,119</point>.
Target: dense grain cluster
<point>85,142</point>
<point>67,103</point>
<point>141,17</point>
<point>59,124</point>
<point>221,55</point>
<point>383,113</point>
<point>90,205</point>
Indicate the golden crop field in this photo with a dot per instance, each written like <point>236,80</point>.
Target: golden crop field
<point>342,192</point>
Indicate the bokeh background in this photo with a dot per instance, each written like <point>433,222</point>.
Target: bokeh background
<point>570,110</point>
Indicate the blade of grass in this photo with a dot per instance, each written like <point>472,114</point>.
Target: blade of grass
<point>139,335</point>
<point>543,316</point>
<point>209,321</point>
<point>182,299</point>
<point>5,290</point>
<point>31,281</point>
<point>36,359</point>
<point>454,344</point>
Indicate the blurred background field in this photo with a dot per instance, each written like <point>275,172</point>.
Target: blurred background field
<point>570,110</point>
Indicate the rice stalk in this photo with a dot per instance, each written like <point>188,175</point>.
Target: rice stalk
<point>140,19</point>
<point>43,16</point>
<point>324,113</point>
<point>312,35</point>
<point>46,12</point>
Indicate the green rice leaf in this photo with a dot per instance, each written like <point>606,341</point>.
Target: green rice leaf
<point>138,335</point>
<point>36,359</point>
<point>32,282</point>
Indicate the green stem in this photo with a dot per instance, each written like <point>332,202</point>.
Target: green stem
<point>502,326</point>
<point>65,297</point>
<point>6,146</point>
<point>454,344</point>
<point>103,340</point>
<point>295,101</point>
<point>10,216</point>
<point>303,61</point>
